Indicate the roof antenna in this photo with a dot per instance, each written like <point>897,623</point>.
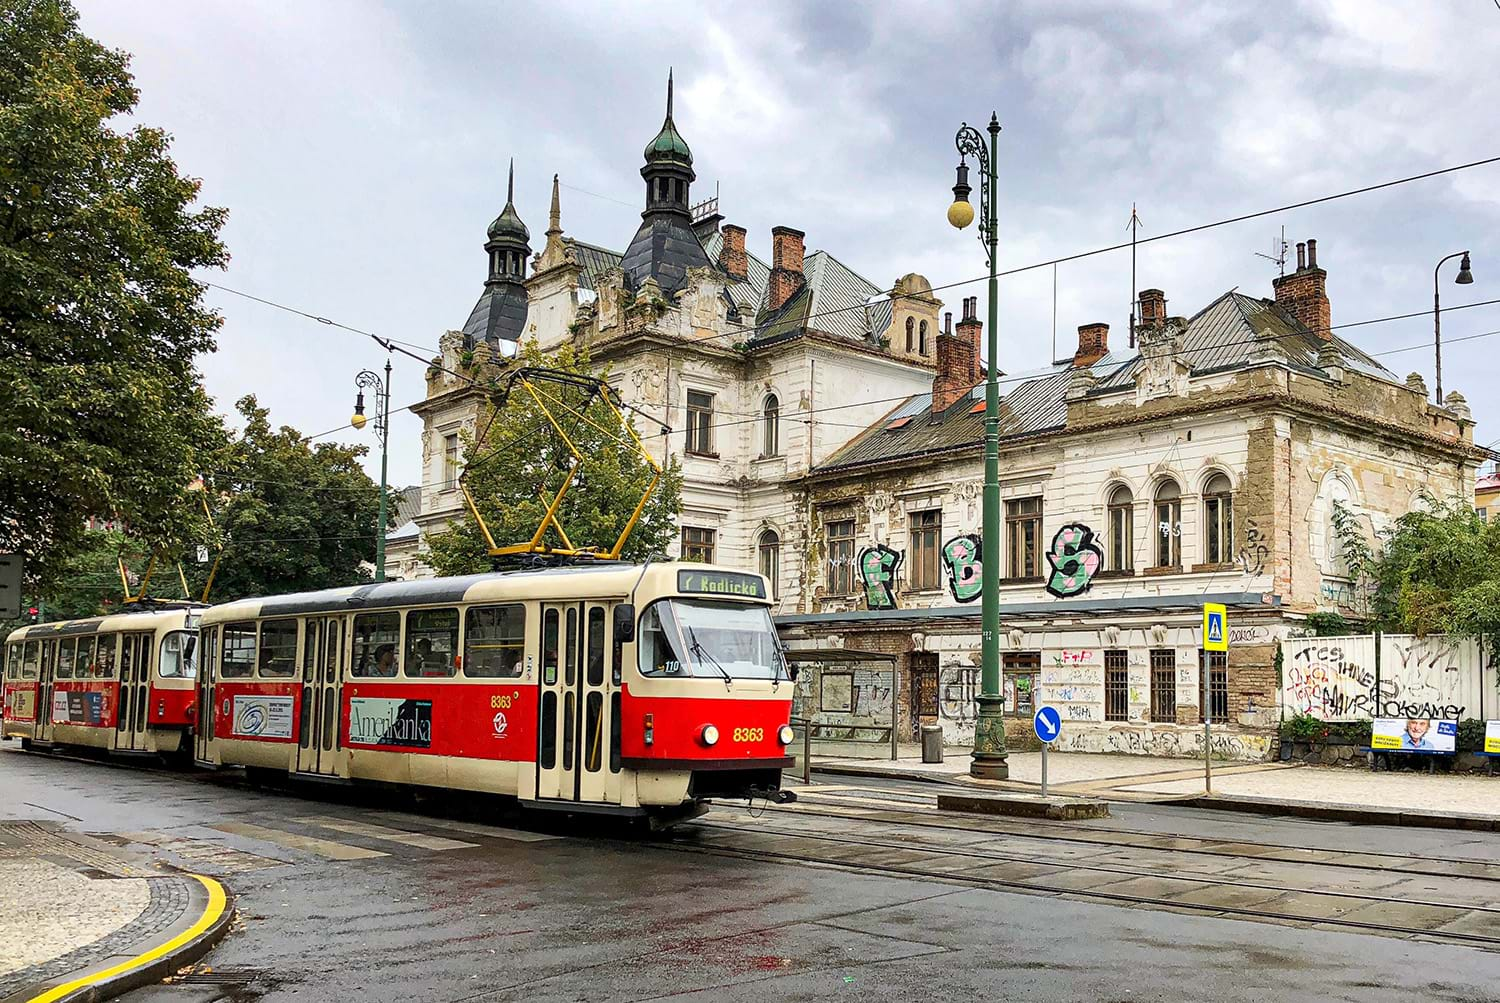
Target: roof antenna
<point>1278,253</point>
<point>1134,225</point>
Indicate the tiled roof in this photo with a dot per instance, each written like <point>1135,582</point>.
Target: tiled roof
<point>1030,402</point>
<point>834,299</point>
<point>1235,329</point>
<point>1490,482</point>
<point>594,261</point>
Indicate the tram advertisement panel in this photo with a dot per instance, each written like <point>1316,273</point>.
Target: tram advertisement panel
<point>262,716</point>
<point>22,704</point>
<point>390,721</point>
<point>78,707</point>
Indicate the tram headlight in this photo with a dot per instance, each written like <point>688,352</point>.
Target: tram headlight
<point>709,735</point>
<point>785,735</point>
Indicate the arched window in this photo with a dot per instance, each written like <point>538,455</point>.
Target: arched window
<point>770,560</point>
<point>1121,529</point>
<point>911,340</point>
<point>922,339</point>
<point>1218,520</point>
<point>771,426</point>
<point>1168,525</point>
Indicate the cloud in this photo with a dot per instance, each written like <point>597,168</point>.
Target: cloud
<point>361,149</point>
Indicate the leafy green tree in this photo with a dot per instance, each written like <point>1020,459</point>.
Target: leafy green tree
<point>1438,571</point>
<point>519,461</point>
<point>101,410</point>
<point>292,516</point>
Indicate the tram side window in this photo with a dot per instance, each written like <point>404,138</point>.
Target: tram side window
<point>494,639</point>
<point>278,649</point>
<point>377,639</point>
<point>549,647</point>
<point>84,667</point>
<point>64,667</point>
<point>30,661</point>
<point>596,647</point>
<point>177,650</point>
<point>657,656</point>
<point>431,643</point>
<point>12,661</point>
<point>239,651</point>
<point>104,659</point>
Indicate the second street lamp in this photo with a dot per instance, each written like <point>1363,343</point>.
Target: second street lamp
<point>1464,278</point>
<point>368,379</point>
<point>989,725</point>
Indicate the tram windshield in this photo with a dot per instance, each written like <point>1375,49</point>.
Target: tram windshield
<point>704,639</point>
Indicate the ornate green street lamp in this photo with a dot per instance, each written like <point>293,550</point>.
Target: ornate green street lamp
<point>989,728</point>
<point>368,379</point>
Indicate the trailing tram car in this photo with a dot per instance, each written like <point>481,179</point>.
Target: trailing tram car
<point>123,682</point>
<point>640,690</point>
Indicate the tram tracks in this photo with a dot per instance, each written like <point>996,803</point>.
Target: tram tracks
<point>1391,901</point>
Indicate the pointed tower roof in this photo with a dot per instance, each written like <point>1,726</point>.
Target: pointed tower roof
<point>508,223</point>
<point>669,144</point>
<point>665,246</point>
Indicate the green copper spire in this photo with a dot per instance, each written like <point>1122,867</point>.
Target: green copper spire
<point>669,144</point>
<point>508,223</point>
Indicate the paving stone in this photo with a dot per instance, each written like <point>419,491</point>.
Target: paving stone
<point>1228,896</point>
<point>1153,887</point>
<point>1480,923</point>
<point>1403,915</point>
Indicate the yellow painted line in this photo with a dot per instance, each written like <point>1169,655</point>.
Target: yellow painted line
<point>322,847</point>
<point>216,903</point>
<point>372,831</point>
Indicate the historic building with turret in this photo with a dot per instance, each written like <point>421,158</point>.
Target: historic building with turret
<point>757,371</point>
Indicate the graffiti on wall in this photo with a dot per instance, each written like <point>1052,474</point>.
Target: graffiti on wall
<point>958,685</point>
<point>1252,557</point>
<point>1075,559</point>
<point>877,569</point>
<point>1335,679</point>
<point>962,564</point>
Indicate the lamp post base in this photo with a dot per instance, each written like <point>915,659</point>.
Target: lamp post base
<point>989,741</point>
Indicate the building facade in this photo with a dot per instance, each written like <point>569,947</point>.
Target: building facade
<point>1218,462</point>
<point>757,370</point>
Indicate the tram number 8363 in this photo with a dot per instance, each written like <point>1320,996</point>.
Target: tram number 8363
<point>500,703</point>
<point>749,734</point>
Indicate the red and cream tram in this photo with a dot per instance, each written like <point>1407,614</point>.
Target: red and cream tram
<point>122,682</point>
<point>613,687</point>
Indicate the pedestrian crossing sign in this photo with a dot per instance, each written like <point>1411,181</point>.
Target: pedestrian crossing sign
<point>1215,627</point>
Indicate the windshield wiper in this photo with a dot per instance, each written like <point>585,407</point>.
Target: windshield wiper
<point>702,652</point>
<point>778,667</point>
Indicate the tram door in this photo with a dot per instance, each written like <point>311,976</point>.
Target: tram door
<point>318,736</point>
<point>203,731</point>
<point>575,761</point>
<point>44,693</point>
<point>135,691</point>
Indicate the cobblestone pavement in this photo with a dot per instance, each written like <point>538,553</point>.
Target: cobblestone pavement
<point>67,902</point>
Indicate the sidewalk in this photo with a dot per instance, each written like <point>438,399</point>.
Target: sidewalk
<point>79,918</point>
<point>1350,794</point>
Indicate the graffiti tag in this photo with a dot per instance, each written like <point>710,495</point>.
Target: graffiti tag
<point>962,563</point>
<point>877,568</point>
<point>1075,559</point>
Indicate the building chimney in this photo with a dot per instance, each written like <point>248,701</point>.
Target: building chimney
<point>1093,343</point>
<point>732,253</point>
<point>1153,308</point>
<point>786,265</point>
<point>1303,294</point>
<point>957,358</point>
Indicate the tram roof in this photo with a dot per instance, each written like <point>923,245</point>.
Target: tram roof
<point>580,581</point>
<point>144,618</point>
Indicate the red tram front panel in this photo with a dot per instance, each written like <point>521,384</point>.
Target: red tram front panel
<point>669,731</point>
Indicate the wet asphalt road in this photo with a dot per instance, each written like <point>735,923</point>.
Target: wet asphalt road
<point>346,899</point>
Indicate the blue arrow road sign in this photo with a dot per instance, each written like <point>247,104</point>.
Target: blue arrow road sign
<point>1048,723</point>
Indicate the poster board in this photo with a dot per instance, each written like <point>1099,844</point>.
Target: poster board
<point>1395,734</point>
<point>1492,738</point>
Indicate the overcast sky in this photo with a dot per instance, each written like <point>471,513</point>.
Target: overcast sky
<point>361,149</point>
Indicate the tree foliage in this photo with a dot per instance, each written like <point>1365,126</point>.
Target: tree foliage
<point>101,410</point>
<point>521,459</point>
<point>292,516</point>
<point>1438,571</point>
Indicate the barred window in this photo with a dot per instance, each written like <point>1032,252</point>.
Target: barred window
<point>1116,685</point>
<point>1214,671</point>
<point>1163,685</point>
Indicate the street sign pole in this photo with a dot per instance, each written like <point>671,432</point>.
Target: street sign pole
<point>1215,638</point>
<point>1047,723</point>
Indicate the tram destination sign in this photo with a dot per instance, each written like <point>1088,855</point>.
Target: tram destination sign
<point>721,583</point>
